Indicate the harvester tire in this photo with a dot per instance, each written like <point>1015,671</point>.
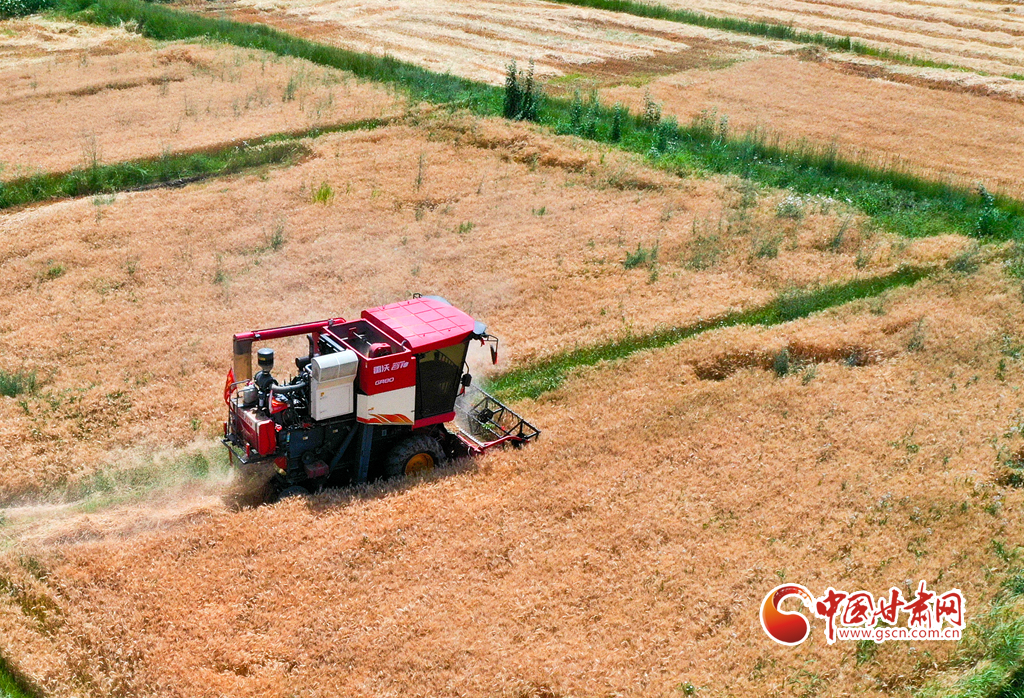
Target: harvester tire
<point>417,454</point>
<point>294,491</point>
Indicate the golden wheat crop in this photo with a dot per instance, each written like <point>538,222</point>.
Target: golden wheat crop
<point>625,553</point>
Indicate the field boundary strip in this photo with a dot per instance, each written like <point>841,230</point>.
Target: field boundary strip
<point>900,201</point>
<point>533,380</point>
<point>987,663</point>
<point>172,169</point>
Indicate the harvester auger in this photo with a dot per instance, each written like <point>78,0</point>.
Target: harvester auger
<point>386,395</point>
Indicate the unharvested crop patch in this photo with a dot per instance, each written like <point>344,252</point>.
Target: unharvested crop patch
<point>641,535</point>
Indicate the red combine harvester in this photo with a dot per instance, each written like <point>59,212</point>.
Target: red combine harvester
<point>382,396</point>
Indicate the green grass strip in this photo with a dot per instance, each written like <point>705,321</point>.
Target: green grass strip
<point>538,378</point>
<point>220,160</point>
<point>99,179</point>
<point>20,8</point>
<point>902,202</point>
<point>14,383</point>
<point>768,30</point>
<point>989,660</point>
<point>11,686</point>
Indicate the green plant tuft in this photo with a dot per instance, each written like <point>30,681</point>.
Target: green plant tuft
<point>323,194</point>
<point>17,382</point>
<point>54,270</point>
<point>619,114</point>
<point>522,94</point>
<point>641,256</point>
<point>780,362</point>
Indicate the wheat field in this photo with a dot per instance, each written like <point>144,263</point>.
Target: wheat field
<point>979,35</point>
<point>626,552</point>
<point>946,123</point>
<point>890,124</point>
<point>257,251</point>
<point>71,94</point>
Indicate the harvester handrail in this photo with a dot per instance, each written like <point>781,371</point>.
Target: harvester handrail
<point>287,330</point>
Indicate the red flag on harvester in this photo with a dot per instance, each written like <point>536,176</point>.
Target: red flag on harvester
<point>227,385</point>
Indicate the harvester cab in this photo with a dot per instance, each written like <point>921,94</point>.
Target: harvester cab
<point>384,395</point>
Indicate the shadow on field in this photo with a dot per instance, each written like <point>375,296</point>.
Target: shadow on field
<point>253,489</point>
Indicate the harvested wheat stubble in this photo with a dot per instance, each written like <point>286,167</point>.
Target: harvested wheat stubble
<point>985,36</point>
<point>938,134</point>
<point>37,40</point>
<point>527,232</point>
<point>626,552</point>
<point>71,94</point>
<point>959,137</point>
<point>477,40</point>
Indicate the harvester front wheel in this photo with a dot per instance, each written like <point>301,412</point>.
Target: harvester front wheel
<point>417,454</point>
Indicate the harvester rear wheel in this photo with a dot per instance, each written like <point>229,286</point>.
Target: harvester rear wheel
<point>417,454</point>
<point>293,491</point>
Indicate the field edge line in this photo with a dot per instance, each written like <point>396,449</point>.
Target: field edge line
<point>13,684</point>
